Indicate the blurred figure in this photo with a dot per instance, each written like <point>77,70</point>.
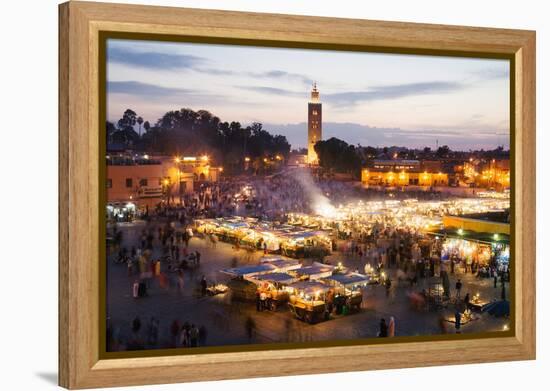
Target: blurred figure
<point>153,331</point>
<point>458,317</point>
<point>180,281</point>
<point>135,289</point>
<point>175,331</point>
<point>204,285</point>
<point>391,327</point>
<point>202,336</point>
<point>250,328</point>
<point>193,336</point>
<point>442,324</point>
<point>383,328</point>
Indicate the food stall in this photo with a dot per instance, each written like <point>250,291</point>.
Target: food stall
<point>307,300</point>
<point>304,243</point>
<point>477,303</point>
<point>255,239</point>
<point>206,226</point>
<point>435,296</point>
<point>272,285</point>
<point>233,230</point>
<point>281,265</point>
<point>250,270</point>
<point>240,285</point>
<point>216,289</point>
<point>316,271</point>
<point>372,273</point>
<point>348,290</point>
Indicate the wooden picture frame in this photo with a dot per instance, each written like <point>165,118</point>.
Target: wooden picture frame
<point>80,233</point>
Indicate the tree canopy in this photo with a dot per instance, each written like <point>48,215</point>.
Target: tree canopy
<point>185,131</point>
<point>337,155</point>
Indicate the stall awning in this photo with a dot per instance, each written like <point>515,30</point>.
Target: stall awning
<point>310,287</point>
<point>350,279</point>
<point>315,271</point>
<point>286,265</point>
<point>281,278</point>
<point>250,270</point>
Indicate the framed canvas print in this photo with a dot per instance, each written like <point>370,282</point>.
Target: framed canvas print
<point>246,195</point>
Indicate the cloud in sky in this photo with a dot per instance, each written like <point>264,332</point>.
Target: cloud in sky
<point>351,98</point>
<point>273,91</point>
<point>492,73</point>
<point>486,138</point>
<point>156,60</point>
<point>144,89</point>
<point>393,92</point>
<point>153,60</point>
<point>450,97</point>
<point>278,74</point>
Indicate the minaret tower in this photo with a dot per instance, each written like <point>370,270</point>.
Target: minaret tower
<point>314,124</point>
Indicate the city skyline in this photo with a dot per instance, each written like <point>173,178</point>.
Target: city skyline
<point>369,98</point>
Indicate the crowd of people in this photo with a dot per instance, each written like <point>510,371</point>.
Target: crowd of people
<point>183,335</point>
<point>161,256</point>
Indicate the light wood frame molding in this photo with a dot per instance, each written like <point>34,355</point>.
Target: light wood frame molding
<point>80,23</point>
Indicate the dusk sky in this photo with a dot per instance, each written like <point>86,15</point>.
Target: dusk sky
<point>368,98</point>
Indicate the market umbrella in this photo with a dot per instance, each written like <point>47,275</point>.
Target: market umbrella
<point>498,308</point>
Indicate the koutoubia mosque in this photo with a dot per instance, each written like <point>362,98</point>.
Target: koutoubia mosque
<point>314,124</point>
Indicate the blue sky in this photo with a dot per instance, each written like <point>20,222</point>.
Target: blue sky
<point>368,98</point>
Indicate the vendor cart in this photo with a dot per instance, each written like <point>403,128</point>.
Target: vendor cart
<point>307,301</point>
<point>348,294</point>
<point>435,297</point>
<point>272,286</point>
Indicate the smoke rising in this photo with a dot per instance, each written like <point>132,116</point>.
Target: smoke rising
<point>319,202</point>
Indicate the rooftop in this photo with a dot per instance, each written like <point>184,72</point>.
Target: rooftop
<point>495,217</point>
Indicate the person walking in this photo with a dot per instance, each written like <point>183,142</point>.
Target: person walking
<point>135,289</point>
<point>458,317</point>
<point>174,331</point>
<point>458,287</point>
<point>204,285</point>
<point>130,264</point>
<point>258,301</point>
<point>180,281</point>
<point>442,324</point>
<point>202,336</point>
<point>194,336</point>
<point>250,327</point>
<point>153,331</point>
<point>184,336</point>
<point>383,329</point>
<point>157,268</point>
<point>388,287</point>
<point>391,327</point>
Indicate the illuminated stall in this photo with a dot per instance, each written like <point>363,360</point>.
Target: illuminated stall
<point>348,289</point>
<point>272,287</point>
<point>316,271</point>
<point>307,301</point>
<point>305,243</point>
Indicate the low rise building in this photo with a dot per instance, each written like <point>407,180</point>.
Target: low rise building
<point>488,173</point>
<point>136,180</point>
<point>146,180</point>
<point>404,173</point>
<point>482,238</point>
